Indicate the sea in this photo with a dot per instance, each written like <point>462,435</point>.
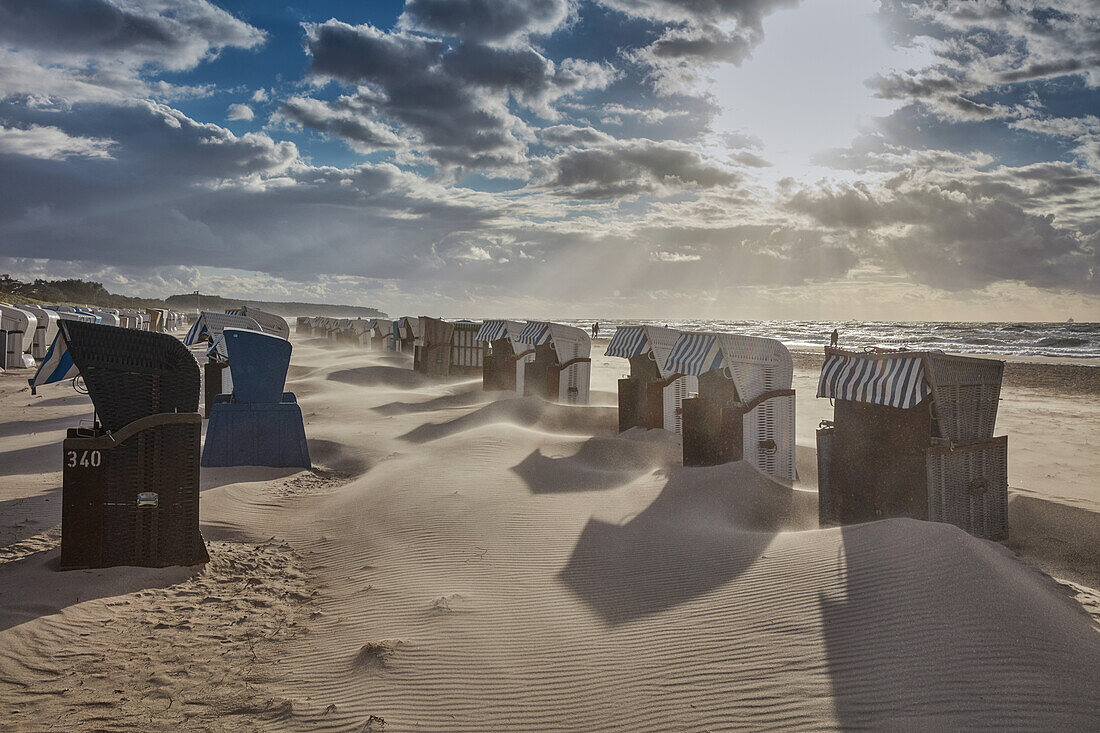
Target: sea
<point>1056,340</point>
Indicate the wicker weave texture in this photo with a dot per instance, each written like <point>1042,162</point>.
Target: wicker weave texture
<point>771,420</point>
<point>131,374</point>
<point>757,365</point>
<point>965,393</point>
<point>164,460</point>
<point>968,487</point>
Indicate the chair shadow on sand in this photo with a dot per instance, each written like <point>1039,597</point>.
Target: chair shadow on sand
<point>33,586</point>
<point>526,412</point>
<point>707,526</point>
<point>599,465</point>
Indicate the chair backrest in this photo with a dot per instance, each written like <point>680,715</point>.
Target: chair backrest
<point>132,374</point>
<point>757,365</point>
<point>212,323</point>
<point>268,322</point>
<point>661,341</point>
<point>259,362</point>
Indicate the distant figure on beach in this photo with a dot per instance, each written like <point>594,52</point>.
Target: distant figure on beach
<point>596,330</point>
<point>834,338</point>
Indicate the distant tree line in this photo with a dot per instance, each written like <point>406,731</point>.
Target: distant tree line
<point>86,292</point>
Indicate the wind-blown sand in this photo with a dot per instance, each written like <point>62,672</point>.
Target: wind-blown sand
<point>468,561</point>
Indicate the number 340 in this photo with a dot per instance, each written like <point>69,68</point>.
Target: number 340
<point>84,459</point>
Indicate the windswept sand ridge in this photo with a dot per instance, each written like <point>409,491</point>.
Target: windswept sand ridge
<point>466,561</point>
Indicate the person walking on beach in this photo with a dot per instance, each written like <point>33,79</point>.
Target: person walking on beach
<point>596,330</point>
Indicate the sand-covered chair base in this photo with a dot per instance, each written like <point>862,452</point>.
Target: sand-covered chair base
<point>256,434</point>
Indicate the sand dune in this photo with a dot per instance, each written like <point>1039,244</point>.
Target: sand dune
<point>463,560</point>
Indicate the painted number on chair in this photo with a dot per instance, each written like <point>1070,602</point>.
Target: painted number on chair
<point>83,459</point>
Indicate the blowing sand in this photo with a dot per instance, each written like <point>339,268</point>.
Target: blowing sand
<point>468,561</point>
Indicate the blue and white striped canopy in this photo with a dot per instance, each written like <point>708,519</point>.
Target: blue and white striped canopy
<point>535,333</point>
<point>694,354</point>
<point>492,331</point>
<point>57,366</point>
<point>894,381</point>
<point>628,342</point>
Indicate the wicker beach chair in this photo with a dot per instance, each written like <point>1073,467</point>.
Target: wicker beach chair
<point>561,370</point>
<point>131,482</point>
<point>651,396</point>
<point>912,435</point>
<point>745,405</point>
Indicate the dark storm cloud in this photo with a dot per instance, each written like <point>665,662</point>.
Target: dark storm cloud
<point>453,102</point>
<point>174,34</point>
<point>632,167</point>
<point>486,20</point>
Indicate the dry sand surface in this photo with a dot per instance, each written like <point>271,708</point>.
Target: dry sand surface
<point>468,561</point>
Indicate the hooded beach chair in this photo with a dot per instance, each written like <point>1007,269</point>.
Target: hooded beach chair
<point>448,348</point>
<point>745,406</point>
<point>652,396</point>
<point>268,322</point>
<point>562,368</point>
<point>45,330</point>
<point>17,327</point>
<point>210,325</point>
<point>507,356</point>
<point>912,436</point>
<point>258,424</point>
<point>130,482</point>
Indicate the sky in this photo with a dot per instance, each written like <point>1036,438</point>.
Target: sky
<point>711,159</point>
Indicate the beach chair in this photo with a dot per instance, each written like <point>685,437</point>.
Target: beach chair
<point>744,409</point>
<point>210,325</point>
<point>130,481</point>
<point>448,348</point>
<point>506,357</point>
<point>18,328</point>
<point>561,370</point>
<point>650,397</point>
<point>258,424</point>
<point>45,330</point>
<point>268,322</point>
<point>912,436</point>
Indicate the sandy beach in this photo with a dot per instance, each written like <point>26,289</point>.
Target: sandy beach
<point>462,560</point>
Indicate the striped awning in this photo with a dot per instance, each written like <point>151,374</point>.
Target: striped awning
<point>218,350</point>
<point>694,354</point>
<point>628,342</point>
<point>535,333</point>
<point>492,331</point>
<point>894,381</point>
<point>57,366</point>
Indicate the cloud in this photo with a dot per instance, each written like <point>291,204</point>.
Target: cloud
<point>957,238</point>
<point>172,34</point>
<point>627,168</point>
<point>51,143</point>
<point>486,20</point>
<point>260,95</point>
<point>697,34</point>
<point>453,102</point>
<point>239,112</point>
<point>98,50</point>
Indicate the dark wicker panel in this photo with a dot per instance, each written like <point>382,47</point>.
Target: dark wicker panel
<point>132,374</point>
<point>102,524</point>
